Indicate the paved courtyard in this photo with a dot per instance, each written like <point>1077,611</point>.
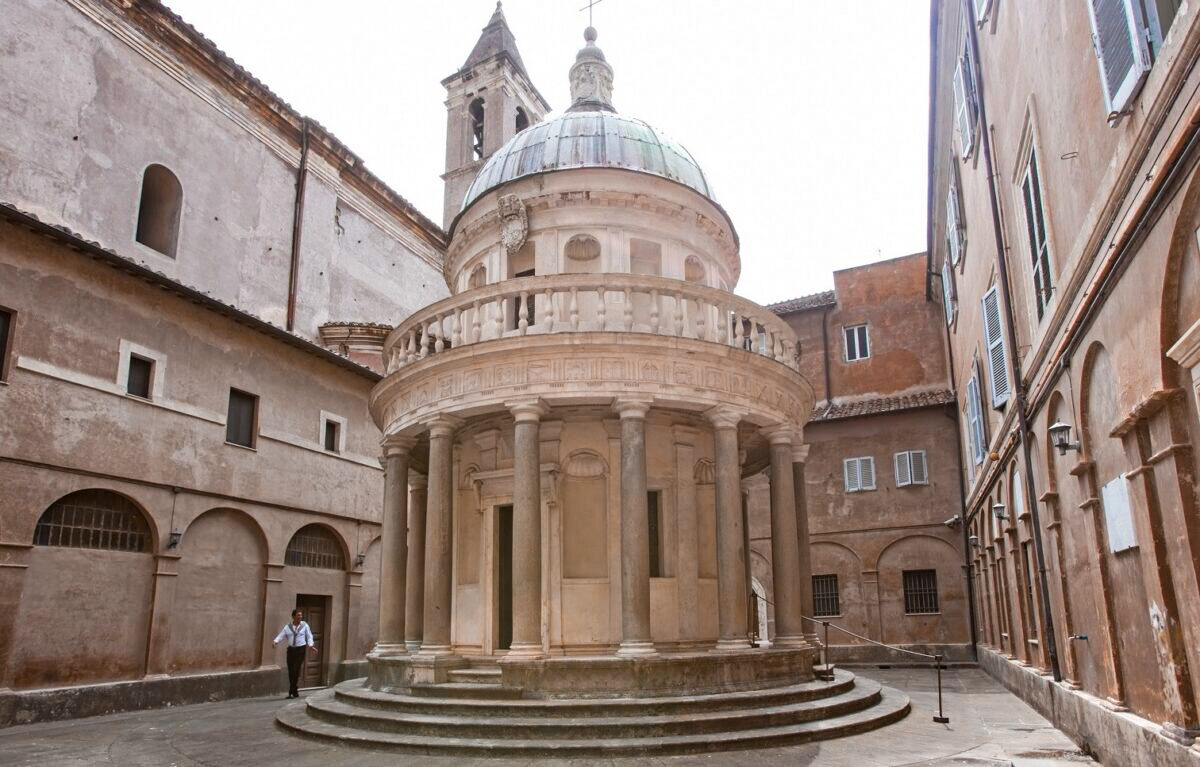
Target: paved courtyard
<point>988,728</point>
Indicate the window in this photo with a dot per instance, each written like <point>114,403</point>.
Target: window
<point>975,420</point>
<point>315,546</point>
<point>1119,33</point>
<point>1031,605</point>
<point>955,237</point>
<point>242,423</point>
<point>993,337</point>
<point>7,326</point>
<point>332,443</point>
<point>857,344</point>
<point>949,292</point>
<point>981,10</point>
<point>159,210</point>
<point>522,120</point>
<point>645,257</point>
<point>920,592</point>
<point>654,515</point>
<point>860,474</point>
<point>93,519</point>
<point>141,371</point>
<point>825,596</point>
<point>476,114</point>
<point>911,468</point>
<point>1035,227</point>
<point>965,105</point>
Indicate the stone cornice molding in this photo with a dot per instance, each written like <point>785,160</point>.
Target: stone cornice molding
<point>1186,351</point>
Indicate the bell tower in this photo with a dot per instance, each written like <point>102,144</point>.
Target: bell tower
<point>488,101</point>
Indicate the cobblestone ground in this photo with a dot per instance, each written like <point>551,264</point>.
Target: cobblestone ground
<point>988,728</point>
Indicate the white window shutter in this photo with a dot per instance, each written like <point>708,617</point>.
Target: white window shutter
<point>953,238</point>
<point>993,336</point>
<point>903,470</point>
<point>866,469</point>
<point>1121,50</point>
<point>850,467</point>
<point>974,415</point>
<point>962,109</point>
<point>981,9</point>
<point>920,469</point>
<point>948,291</point>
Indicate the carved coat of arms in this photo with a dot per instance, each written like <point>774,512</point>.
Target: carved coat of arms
<point>514,223</point>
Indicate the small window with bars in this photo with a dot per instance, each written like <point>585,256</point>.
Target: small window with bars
<point>911,468</point>
<point>920,592</point>
<point>314,546</point>
<point>859,474</point>
<point>825,596</point>
<point>93,519</point>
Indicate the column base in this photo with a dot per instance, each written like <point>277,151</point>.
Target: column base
<point>435,651</point>
<point>389,649</point>
<point>813,640</point>
<point>732,645</point>
<point>524,650</point>
<point>636,647</point>
<point>794,642</point>
<point>1184,736</point>
<point>412,645</point>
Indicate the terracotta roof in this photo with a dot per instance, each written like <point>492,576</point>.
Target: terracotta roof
<point>811,301</point>
<point>876,405</point>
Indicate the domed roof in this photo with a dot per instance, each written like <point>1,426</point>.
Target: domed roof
<point>586,139</point>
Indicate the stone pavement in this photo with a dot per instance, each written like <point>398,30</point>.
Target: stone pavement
<point>988,728</point>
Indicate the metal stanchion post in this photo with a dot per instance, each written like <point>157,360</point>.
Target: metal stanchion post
<point>940,717</point>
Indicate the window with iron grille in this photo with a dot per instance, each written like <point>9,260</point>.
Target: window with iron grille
<point>314,546</point>
<point>920,591</point>
<point>825,596</point>
<point>93,519</point>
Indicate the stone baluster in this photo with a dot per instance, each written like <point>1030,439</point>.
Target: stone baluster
<point>456,329</point>
<point>423,349</point>
<point>414,604</point>
<point>498,320</point>
<point>701,320</point>
<point>548,311</point>
<point>627,313</point>
<point>678,327</point>
<point>411,349</point>
<point>527,528</point>
<point>723,327</point>
<point>655,306</point>
<point>523,312</point>
<point>394,549</point>
<point>475,322</point>
<point>439,537</point>
<point>731,554</point>
<point>738,338</point>
<point>635,531</point>
<point>573,312</point>
<point>789,625</point>
<point>439,334</point>
<point>601,308</point>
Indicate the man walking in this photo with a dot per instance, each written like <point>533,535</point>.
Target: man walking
<point>298,635</point>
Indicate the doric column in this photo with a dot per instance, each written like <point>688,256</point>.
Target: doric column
<point>731,553</point>
<point>804,550</point>
<point>789,626</point>
<point>527,528</point>
<point>394,551</point>
<point>439,525</point>
<point>635,531</point>
<point>414,602</point>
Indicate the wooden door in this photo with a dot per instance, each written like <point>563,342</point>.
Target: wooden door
<point>315,613</point>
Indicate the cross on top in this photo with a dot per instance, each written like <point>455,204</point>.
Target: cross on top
<point>588,8</point>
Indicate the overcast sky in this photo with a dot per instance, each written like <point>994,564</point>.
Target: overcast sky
<point>808,116</point>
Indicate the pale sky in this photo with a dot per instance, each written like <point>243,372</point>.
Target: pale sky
<point>808,116</point>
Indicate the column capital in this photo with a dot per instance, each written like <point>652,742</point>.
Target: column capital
<point>443,425</point>
<point>724,417</point>
<point>527,409</point>
<point>417,481</point>
<point>394,444</point>
<point>800,452</point>
<point>632,407</point>
<point>779,434</point>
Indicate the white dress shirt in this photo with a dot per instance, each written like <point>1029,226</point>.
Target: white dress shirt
<point>296,636</point>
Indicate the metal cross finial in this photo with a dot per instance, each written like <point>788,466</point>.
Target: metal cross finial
<point>588,8</point>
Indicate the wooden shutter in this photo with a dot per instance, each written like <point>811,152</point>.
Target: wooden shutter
<point>903,470</point>
<point>920,470</point>
<point>850,467</point>
<point>1121,50</point>
<point>866,470</point>
<point>993,337</point>
<point>948,291</point>
<point>974,418</point>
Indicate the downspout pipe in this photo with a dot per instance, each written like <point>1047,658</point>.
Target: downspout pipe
<point>1014,359</point>
<point>825,353</point>
<point>297,224</point>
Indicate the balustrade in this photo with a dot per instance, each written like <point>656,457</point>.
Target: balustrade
<point>614,303</point>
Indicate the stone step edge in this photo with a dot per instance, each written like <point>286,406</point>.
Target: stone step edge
<point>862,696</point>
<point>892,707</point>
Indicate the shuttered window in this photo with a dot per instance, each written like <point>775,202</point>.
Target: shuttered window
<point>911,468</point>
<point>965,109</point>
<point>981,9</point>
<point>954,228</point>
<point>858,346</point>
<point>949,292</point>
<point>1035,228</point>
<point>826,602</point>
<point>859,474</point>
<point>1118,40</point>
<point>993,338</point>
<point>975,421</point>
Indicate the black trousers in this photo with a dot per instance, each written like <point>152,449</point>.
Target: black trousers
<point>295,664</point>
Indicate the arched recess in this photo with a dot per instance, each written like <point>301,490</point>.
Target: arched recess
<point>85,608</point>
<point>522,120</point>
<point>915,553</point>
<point>478,277</point>
<point>159,210</point>
<point>833,558</point>
<point>1180,300</point>
<point>368,611</point>
<point>475,113</point>
<point>216,621</point>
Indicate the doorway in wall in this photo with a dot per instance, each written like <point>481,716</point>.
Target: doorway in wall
<point>504,549</point>
<point>316,613</point>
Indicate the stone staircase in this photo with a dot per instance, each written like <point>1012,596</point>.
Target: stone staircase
<point>473,715</point>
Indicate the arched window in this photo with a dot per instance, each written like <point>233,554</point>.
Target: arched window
<point>315,546</point>
<point>158,212</point>
<point>478,277</point>
<point>693,270</point>
<point>93,519</point>
<point>476,112</point>
<point>522,120</point>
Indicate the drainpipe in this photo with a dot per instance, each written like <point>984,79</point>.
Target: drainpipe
<point>297,225</point>
<point>1014,359</point>
<point>825,352</point>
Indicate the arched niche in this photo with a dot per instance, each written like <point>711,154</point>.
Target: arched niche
<point>159,210</point>
<point>581,255</point>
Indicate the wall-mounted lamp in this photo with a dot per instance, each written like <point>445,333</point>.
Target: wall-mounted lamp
<point>359,558</point>
<point>999,511</point>
<point>1060,437</point>
<point>173,539</point>
<point>974,539</point>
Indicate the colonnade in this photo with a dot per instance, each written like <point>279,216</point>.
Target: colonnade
<point>416,568</point>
